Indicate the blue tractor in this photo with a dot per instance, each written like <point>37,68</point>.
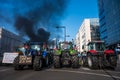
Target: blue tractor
<point>34,55</point>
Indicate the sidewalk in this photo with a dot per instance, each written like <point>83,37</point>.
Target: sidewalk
<point>118,66</point>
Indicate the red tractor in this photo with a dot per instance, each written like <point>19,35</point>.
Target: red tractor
<point>98,56</point>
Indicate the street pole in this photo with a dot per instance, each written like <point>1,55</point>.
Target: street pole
<point>64,31</point>
<point>64,34</point>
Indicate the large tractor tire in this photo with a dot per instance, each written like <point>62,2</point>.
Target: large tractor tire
<point>75,61</point>
<point>112,61</point>
<point>57,63</point>
<point>50,59</point>
<point>16,64</point>
<point>93,61</point>
<point>37,64</point>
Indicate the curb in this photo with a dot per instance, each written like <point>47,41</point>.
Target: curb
<point>118,66</point>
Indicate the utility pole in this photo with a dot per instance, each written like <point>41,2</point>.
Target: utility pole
<point>64,31</point>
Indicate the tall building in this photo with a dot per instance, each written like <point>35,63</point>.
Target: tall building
<point>77,41</point>
<point>8,41</point>
<point>88,31</point>
<point>109,14</point>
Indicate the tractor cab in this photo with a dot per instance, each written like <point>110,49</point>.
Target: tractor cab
<point>35,47</point>
<point>96,46</point>
<point>65,46</point>
<point>24,50</point>
<point>21,50</point>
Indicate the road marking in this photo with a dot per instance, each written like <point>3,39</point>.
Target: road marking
<point>4,70</point>
<point>99,70</point>
<point>113,71</point>
<point>85,68</point>
<point>79,72</point>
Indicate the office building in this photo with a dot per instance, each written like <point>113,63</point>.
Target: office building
<point>8,41</point>
<point>88,31</point>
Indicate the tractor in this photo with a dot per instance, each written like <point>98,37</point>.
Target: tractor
<point>98,56</point>
<point>66,55</point>
<point>33,55</point>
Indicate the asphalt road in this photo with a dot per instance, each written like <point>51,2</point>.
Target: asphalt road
<point>8,73</point>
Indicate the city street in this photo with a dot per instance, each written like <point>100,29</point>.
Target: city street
<point>8,73</point>
<point>59,39</point>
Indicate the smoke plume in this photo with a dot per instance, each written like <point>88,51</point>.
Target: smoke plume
<point>38,19</point>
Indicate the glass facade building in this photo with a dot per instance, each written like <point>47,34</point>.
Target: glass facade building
<point>109,14</point>
<point>94,29</point>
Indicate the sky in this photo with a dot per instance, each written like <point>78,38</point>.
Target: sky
<point>70,14</point>
<point>77,11</point>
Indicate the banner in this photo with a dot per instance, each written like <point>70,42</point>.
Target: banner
<point>9,57</point>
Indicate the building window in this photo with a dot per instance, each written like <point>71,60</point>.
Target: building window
<point>103,24</point>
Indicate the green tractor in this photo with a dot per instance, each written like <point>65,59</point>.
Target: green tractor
<point>66,55</point>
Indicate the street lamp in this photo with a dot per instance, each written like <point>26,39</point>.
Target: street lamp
<point>64,31</point>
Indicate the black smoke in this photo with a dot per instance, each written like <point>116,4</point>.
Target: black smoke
<point>38,18</point>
